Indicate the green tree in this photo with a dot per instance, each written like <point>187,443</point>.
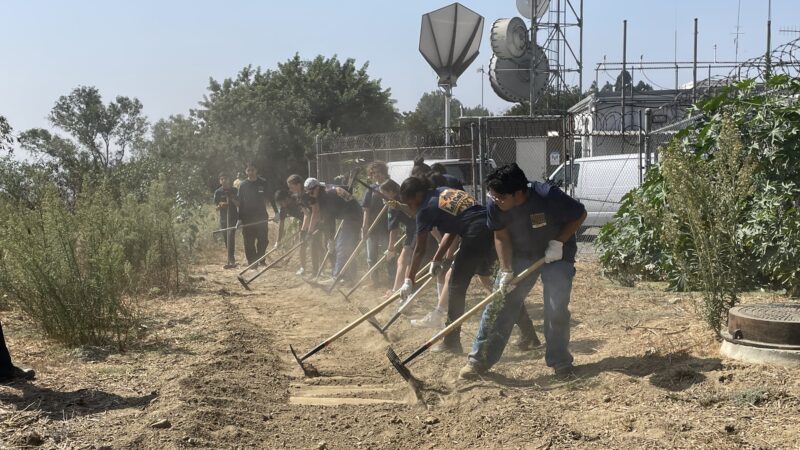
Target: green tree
<point>99,134</point>
<point>641,86</point>
<point>624,80</point>
<point>5,134</point>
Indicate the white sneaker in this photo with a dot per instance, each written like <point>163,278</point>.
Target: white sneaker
<point>434,319</point>
<point>300,272</point>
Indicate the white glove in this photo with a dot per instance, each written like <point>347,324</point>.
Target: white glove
<point>331,247</point>
<point>554,252</point>
<point>504,281</point>
<point>436,268</point>
<point>406,289</point>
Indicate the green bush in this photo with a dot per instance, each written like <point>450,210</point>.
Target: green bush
<point>77,267</point>
<point>646,240</point>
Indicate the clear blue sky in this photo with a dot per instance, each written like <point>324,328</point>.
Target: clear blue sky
<point>164,52</point>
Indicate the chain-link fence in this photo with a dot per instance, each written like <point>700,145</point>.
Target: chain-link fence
<point>596,167</point>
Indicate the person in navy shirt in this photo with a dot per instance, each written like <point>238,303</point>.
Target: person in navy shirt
<point>309,239</point>
<point>530,221</point>
<point>398,222</point>
<point>224,198</point>
<point>252,202</point>
<point>334,203</point>
<point>449,180</point>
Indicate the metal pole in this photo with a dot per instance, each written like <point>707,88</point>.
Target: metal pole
<point>580,52</point>
<point>447,93</point>
<point>533,60</point>
<point>648,122</point>
<point>641,150</point>
<point>768,56</point>
<point>622,76</point>
<point>481,135</point>
<point>316,148</point>
<point>694,65</point>
<point>474,168</point>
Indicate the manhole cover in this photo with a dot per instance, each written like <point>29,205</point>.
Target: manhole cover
<point>769,326</point>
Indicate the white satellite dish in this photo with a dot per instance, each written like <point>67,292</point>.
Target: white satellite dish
<point>509,38</point>
<point>510,78</point>
<point>524,8</point>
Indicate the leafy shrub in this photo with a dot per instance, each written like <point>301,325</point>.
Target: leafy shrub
<point>648,241</point>
<point>76,267</point>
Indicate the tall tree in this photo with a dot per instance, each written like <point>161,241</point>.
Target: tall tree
<point>5,134</point>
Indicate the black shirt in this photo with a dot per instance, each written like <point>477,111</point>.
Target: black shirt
<point>539,220</point>
<point>337,203</point>
<point>253,197</point>
<point>373,203</point>
<point>451,211</point>
<point>220,197</point>
<point>397,218</point>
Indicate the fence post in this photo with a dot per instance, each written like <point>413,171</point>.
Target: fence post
<point>640,149</point>
<point>472,150</point>
<point>648,122</point>
<point>481,157</point>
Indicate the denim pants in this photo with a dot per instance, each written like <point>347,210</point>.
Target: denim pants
<point>345,245</point>
<point>377,244</point>
<point>499,316</point>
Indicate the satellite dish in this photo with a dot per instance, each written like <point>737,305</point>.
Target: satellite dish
<point>509,38</point>
<point>449,40</point>
<point>524,8</point>
<point>510,78</point>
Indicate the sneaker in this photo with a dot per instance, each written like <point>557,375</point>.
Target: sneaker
<point>18,373</point>
<point>434,319</point>
<point>525,343</point>
<point>230,266</point>
<point>300,272</point>
<point>447,347</point>
<point>471,371</point>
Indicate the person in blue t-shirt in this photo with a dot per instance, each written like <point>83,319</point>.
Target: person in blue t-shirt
<point>449,180</point>
<point>398,222</point>
<point>530,221</point>
<point>454,213</point>
<point>334,203</point>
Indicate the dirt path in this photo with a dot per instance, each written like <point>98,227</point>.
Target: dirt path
<point>215,364</point>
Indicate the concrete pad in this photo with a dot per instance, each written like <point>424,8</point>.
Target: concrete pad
<point>760,355</point>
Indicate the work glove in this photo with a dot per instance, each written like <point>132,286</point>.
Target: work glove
<point>436,268</point>
<point>394,204</point>
<point>406,289</point>
<point>554,252</point>
<point>503,283</point>
<point>331,247</point>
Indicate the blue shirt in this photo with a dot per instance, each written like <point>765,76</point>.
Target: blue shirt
<point>373,203</point>
<point>397,218</point>
<point>451,211</point>
<point>537,221</point>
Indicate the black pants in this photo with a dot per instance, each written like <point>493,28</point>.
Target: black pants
<point>6,368</point>
<point>255,239</point>
<point>475,256</point>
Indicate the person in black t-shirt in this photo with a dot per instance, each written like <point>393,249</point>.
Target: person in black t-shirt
<point>224,198</point>
<point>372,204</point>
<point>335,203</point>
<point>252,202</point>
<point>295,185</point>
<point>288,206</point>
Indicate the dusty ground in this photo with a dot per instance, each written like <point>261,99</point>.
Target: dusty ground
<point>215,364</point>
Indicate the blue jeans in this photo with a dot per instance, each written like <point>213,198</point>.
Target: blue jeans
<point>498,317</point>
<point>376,246</point>
<point>345,245</point>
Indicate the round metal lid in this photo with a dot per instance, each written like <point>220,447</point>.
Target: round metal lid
<point>772,325</point>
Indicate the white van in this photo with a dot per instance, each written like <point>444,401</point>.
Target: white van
<point>600,183</point>
<point>459,168</point>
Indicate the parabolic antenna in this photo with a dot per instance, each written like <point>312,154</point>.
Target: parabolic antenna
<point>449,40</point>
<point>524,7</point>
<point>509,38</point>
<point>510,78</point>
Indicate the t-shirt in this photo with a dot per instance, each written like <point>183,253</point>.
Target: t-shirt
<point>453,182</point>
<point>398,218</point>
<point>337,203</point>
<point>219,197</point>
<point>451,211</point>
<point>253,197</point>
<point>537,221</point>
<point>373,204</point>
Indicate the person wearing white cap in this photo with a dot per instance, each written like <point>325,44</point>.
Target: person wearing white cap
<point>335,203</point>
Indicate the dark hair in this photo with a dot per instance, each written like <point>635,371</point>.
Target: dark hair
<point>294,179</point>
<point>437,180</point>
<point>420,169</point>
<point>390,186</point>
<point>413,186</point>
<point>223,175</point>
<point>507,179</point>
<point>281,195</point>
<point>252,164</point>
<point>438,168</point>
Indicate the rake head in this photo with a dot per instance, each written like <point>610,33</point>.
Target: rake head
<point>308,370</point>
<point>398,364</point>
<point>243,282</point>
<point>371,320</point>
